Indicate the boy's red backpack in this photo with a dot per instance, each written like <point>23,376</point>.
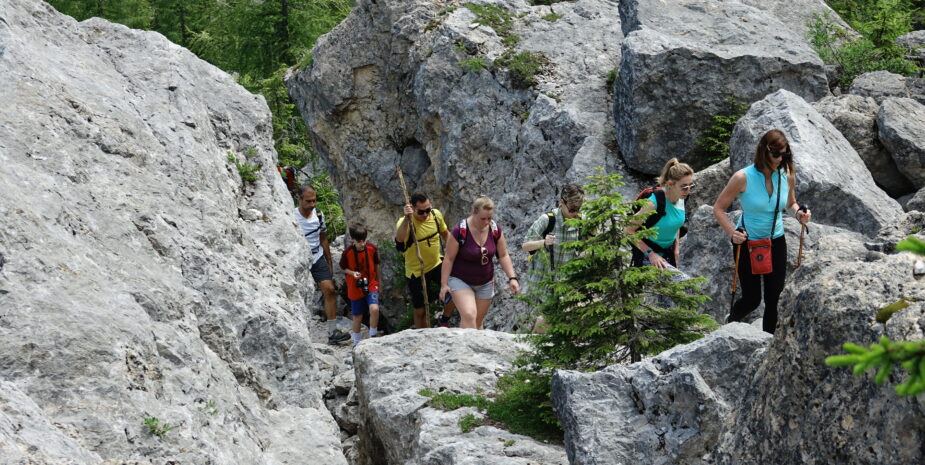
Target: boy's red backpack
<point>288,174</point>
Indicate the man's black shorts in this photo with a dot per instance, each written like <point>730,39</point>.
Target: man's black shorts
<point>320,271</point>
<point>433,287</point>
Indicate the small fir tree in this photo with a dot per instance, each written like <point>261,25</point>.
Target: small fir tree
<point>600,310</point>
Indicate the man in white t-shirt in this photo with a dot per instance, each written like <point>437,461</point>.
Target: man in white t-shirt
<point>311,221</point>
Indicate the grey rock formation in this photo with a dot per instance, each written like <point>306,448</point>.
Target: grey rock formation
<point>915,201</point>
<point>137,280</point>
<point>831,177</point>
<point>880,85</point>
<point>709,183</point>
<point>798,410</point>
<point>387,88</point>
<point>901,123</point>
<point>856,118</point>
<point>397,428</point>
<point>676,66</point>
<point>669,409</point>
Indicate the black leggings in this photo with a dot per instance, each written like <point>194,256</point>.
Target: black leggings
<point>751,285</point>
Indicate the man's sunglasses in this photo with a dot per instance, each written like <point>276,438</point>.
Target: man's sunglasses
<point>425,211</point>
<point>776,154</point>
<point>570,208</point>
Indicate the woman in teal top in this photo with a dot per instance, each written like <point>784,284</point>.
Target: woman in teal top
<point>676,180</point>
<point>765,190</point>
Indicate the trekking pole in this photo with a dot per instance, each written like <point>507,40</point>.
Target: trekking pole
<point>417,246</point>
<point>735,274</point>
<point>802,232</point>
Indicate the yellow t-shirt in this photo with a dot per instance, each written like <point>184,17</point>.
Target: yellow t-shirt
<point>428,239</point>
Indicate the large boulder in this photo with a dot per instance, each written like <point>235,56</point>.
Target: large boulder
<point>831,177</point>
<point>709,183</point>
<point>140,276</point>
<point>677,60</point>
<point>397,427</point>
<point>901,123</point>
<point>881,85</point>
<point>402,83</point>
<point>669,409</point>
<point>796,409</point>
<point>856,118</point>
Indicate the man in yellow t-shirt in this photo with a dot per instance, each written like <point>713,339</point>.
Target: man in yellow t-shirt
<point>429,227</point>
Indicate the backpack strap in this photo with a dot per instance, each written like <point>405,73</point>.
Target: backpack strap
<point>659,209</point>
<point>464,233</point>
<point>550,224</point>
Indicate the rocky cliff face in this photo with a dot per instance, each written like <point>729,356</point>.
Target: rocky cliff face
<point>419,84</point>
<point>140,277</point>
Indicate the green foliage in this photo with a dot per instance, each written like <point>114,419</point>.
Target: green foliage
<point>883,357</point>
<point>713,143</point>
<point>523,66</point>
<point>475,64</point>
<point>494,17</point>
<point>449,401</point>
<point>329,204</point>
<point>611,78</point>
<point>599,309</point>
<point>210,408</point>
<point>509,443</point>
<point>545,2</point>
<point>155,426</point>
<point>552,17</point>
<point>887,354</point>
<point>469,422</point>
<point>912,244</point>
<point>249,172</point>
<point>447,10</point>
<point>524,407</point>
<point>879,22</point>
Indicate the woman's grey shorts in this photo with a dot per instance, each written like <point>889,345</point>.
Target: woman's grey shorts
<point>485,291</point>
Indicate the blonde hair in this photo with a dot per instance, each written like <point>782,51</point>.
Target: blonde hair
<point>483,203</point>
<point>673,171</point>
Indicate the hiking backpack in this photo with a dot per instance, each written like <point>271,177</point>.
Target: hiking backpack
<point>288,174</point>
<point>651,220</point>
<point>403,246</point>
<point>464,233</point>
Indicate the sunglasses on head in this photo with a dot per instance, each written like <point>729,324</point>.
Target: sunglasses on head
<point>425,211</point>
<point>776,154</point>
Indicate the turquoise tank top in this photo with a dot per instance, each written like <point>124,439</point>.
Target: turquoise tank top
<point>758,206</point>
<point>667,226</point>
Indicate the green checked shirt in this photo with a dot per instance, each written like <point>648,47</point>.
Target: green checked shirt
<point>539,264</point>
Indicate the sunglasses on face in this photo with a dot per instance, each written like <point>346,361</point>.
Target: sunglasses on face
<point>776,154</point>
<point>687,187</point>
<point>425,211</point>
<point>571,209</point>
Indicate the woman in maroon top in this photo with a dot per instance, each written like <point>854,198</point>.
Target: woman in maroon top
<point>468,269</point>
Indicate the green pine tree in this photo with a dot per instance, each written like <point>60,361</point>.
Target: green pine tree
<point>599,309</point>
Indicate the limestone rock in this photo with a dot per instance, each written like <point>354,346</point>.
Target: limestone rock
<point>131,286</point>
<point>676,62</point>
<point>709,183</point>
<point>856,118</point>
<point>796,409</point>
<point>397,428</point>
<point>388,88</point>
<point>880,85</point>
<point>669,409</point>
<point>915,201</point>
<point>831,177</point>
<point>901,122</point>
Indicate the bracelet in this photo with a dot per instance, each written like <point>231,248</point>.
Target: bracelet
<point>513,278</point>
<point>647,252</point>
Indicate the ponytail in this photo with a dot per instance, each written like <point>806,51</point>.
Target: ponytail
<point>673,171</point>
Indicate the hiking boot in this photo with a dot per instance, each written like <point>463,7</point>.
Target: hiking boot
<point>337,337</point>
<point>443,321</point>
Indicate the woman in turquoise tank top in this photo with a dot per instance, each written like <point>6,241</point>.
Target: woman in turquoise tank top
<point>661,251</point>
<point>765,189</point>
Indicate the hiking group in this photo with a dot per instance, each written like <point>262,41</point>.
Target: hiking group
<point>462,273</point>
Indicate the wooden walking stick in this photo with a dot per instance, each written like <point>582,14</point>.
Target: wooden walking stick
<point>802,232</point>
<point>414,237</point>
